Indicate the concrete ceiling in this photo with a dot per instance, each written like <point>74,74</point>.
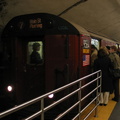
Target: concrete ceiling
<point>98,16</point>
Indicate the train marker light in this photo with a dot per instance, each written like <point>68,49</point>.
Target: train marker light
<point>51,96</point>
<point>9,88</point>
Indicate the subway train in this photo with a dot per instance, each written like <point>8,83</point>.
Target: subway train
<point>42,52</point>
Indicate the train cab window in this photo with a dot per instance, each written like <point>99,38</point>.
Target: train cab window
<point>35,52</point>
<point>95,42</point>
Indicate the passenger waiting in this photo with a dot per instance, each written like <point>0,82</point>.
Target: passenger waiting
<point>94,53</point>
<point>116,64</point>
<point>103,63</point>
<point>108,48</point>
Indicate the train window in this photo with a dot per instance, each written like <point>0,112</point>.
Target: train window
<point>35,52</point>
<point>95,42</point>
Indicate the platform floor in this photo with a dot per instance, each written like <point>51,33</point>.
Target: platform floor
<point>104,112</point>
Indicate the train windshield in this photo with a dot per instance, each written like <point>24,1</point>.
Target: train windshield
<point>35,52</point>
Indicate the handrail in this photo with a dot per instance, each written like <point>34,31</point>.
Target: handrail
<point>78,90</point>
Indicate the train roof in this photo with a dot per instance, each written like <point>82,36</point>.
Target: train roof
<point>42,23</point>
<point>101,37</point>
<point>80,29</point>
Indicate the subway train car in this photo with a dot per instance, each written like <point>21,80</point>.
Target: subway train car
<point>42,52</point>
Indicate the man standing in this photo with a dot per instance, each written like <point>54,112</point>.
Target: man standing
<point>35,56</point>
<point>116,64</point>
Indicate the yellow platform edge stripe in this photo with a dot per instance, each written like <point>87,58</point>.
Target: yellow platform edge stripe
<point>103,112</point>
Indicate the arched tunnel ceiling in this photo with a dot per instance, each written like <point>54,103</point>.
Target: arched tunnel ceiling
<point>98,16</point>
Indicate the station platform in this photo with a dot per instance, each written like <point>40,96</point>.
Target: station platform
<point>105,112</point>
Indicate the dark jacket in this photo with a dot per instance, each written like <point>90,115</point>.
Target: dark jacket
<point>115,60</point>
<point>103,63</point>
<point>35,58</point>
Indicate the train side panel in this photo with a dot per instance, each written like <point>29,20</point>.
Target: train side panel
<point>107,42</point>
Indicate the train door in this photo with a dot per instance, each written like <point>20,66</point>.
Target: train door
<point>59,64</point>
<point>55,61</point>
<point>29,68</point>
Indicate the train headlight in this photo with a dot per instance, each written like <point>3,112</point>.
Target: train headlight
<point>51,96</point>
<point>9,88</point>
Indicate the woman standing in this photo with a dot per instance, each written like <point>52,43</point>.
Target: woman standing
<point>116,64</point>
<point>103,63</point>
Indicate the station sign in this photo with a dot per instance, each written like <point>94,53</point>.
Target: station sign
<point>35,23</point>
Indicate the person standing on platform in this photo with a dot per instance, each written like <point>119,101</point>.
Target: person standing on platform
<point>116,64</point>
<point>94,53</point>
<point>108,48</point>
<point>103,63</point>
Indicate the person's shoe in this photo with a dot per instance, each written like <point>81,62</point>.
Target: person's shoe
<point>105,104</point>
<point>100,104</point>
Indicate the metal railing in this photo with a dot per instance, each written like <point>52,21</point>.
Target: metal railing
<point>97,89</point>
